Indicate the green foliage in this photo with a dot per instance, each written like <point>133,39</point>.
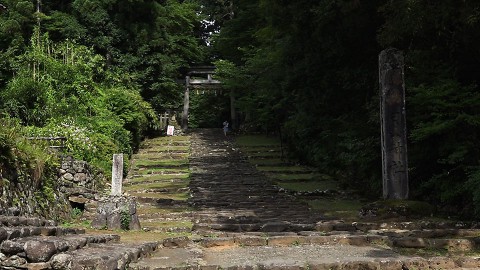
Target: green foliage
<point>56,93</point>
<point>76,213</point>
<point>208,109</point>
<point>125,219</point>
<point>445,141</point>
<point>308,71</point>
<point>27,172</point>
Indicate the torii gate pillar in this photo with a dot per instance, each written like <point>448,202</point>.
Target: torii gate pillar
<point>186,104</point>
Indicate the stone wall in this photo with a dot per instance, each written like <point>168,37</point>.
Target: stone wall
<point>80,183</point>
<point>31,191</point>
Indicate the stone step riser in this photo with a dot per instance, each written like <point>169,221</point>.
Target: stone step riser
<point>12,221</point>
<point>102,256</point>
<point>41,249</point>
<point>11,233</point>
<point>450,245</point>
<point>417,263</point>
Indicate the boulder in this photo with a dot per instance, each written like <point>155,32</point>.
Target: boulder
<point>39,251</point>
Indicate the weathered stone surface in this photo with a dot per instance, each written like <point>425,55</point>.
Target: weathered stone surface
<point>286,240</point>
<point>176,242</point>
<point>410,242</point>
<point>10,247</point>
<point>278,226</point>
<point>39,251</point>
<point>393,120</point>
<point>14,261</point>
<point>80,177</point>
<point>114,220</point>
<point>112,209</point>
<point>3,234</point>
<point>68,176</point>
<point>250,241</point>
<point>215,242</point>
<point>62,261</point>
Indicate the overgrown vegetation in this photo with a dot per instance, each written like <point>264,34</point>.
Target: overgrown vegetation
<point>95,72</point>
<point>307,71</point>
<point>27,173</point>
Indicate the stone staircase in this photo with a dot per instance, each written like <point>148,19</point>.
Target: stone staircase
<point>242,220</point>
<point>204,204</point>
<point>159,179</point>
<point>34,243</point>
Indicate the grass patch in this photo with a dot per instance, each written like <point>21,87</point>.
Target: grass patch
<point>264,155</point>
<point>160,156</point>
<point>267,148</point>
<point>146,171</point>
<point>163,210</point>
<point>256,140</point>
<point>300,177</point>
<point>159,177</point>
<point>270,162</point>
<point>160,162</point>
<point>166,148</point>
<point>309,186</point>
<point>172,196</point>
<point>344,209</point>
<point>170,186</point>
<point>140,236</point>
<point>285,169</point>
<point>168,224</point>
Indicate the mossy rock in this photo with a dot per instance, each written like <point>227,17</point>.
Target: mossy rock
<point>385,209</point>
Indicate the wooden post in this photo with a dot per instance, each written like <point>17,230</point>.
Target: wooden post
<point>186,104</point>
<point>117,175</point>
<point>393,121</point>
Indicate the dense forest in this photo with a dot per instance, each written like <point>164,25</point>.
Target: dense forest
<point>98,72</point>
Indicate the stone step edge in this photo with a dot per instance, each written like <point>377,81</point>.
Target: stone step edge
<point>110,256</point>
<point>384,264</point>
<point>42,248</point>
<point>13,221</point>
<point>451,245</point>
<point>10,233</point>
<point>326,226</point>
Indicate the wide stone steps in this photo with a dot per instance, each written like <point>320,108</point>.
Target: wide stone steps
<point>42,248</point>
<point>32,243</point>
<point>102,256</point>
<point>294,251</point>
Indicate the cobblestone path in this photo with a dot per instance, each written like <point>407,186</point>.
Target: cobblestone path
<point>229,194</point>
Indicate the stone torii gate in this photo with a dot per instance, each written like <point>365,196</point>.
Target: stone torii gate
<point>201,78</point>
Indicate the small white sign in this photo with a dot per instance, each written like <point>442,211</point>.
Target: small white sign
<point>170,130</point>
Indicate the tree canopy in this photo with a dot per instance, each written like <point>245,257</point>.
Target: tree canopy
<point>304,70</point>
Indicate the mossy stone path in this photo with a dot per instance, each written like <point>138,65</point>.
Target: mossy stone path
<point>252,208</point>
<point>159,180</point>
<point>230,194</point>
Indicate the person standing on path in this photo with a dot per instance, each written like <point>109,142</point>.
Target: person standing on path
<point>225,127</point>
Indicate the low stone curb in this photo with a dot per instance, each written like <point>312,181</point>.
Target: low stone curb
<point>42,248</point>
<point>10,233</point>
<point>13,221</point>
<point>102,256</point>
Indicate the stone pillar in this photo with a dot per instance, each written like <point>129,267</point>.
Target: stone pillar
<point>117,174</point>
<point>186,104</point>
<point>393,122</point>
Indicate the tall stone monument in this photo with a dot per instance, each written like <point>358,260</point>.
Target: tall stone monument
<point>393,121</point>
<point>117,174</point>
